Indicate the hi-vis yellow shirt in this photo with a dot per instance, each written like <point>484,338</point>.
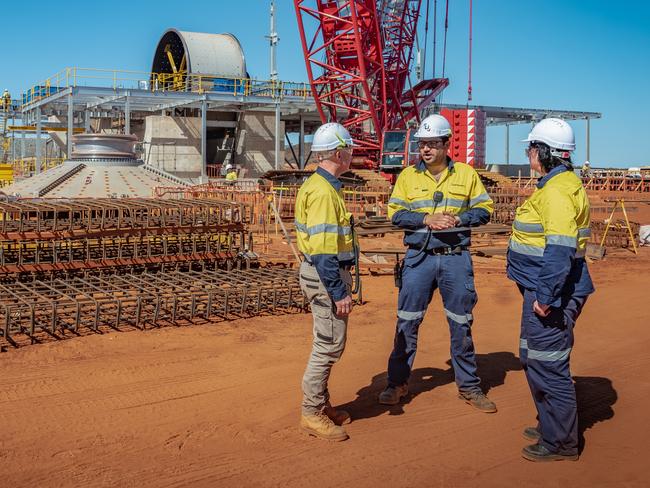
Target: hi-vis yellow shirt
<point>463,195</point>
<point>549,238</point>
<point>323,229</point>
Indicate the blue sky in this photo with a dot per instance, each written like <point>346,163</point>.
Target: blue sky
<point>586,55</point>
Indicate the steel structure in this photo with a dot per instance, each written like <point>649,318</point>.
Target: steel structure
<point>358,55</point>
<point>80,95</point>
<point>50,236</point>
<point>97,301</point>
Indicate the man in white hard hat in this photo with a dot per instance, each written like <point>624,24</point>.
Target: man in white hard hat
<point>586,169</point>
<point>546,259</point>
<point>436,202</point>
<point>325,238</point>
<point>231,173</point>
<point>6,100</point>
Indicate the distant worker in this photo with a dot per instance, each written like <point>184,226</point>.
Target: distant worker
<point>231,173</point>
<point>325,238</point>
<point>6,100</point>
<point>436,202</point>
<point>585,171</point>
<point>546,258</point>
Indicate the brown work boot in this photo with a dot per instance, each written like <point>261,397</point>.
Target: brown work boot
<point>339,417</point>
<point>392,395</point>
<point>478,400</point>
<point>318,424</point>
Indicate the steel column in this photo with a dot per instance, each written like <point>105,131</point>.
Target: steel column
<point>587,133</point>
<point>204,130</point>
<point>37,150</point>
<point>70,125</point>
<point>127,115</point>
<point>22,142</point>
<point>507,144</point>
<point>273,42</point>
<point>277,136</point>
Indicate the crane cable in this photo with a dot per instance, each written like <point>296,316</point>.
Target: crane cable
<point>469,78</point>
<point>444,46</point>
<point>426,38</point>
<point>435,34</point>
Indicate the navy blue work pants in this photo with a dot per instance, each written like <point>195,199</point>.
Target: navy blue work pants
<point>544,350</point>
<point>453,275</point>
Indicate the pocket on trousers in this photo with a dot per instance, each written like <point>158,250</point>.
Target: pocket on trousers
<point>471,293</point>
<point>324,325</point>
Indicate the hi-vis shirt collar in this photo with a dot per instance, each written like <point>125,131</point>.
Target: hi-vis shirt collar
<point>554,172</point>
<point>421,166</point>
<point>331,179</point>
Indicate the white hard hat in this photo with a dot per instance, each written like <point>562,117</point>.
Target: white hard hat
<point>554,132</point>
<point>433,126</point>
<point>229,166</point>
<point>587,163</point>
<point>331,136</point>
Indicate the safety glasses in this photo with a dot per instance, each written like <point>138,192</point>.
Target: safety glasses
<point>432,144</point>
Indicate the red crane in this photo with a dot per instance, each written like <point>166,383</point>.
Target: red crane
<point>358,55</point>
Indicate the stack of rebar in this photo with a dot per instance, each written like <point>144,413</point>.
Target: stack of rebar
<point>96,302</point>
<point>39,236</point>
<point>69,265</point>
<point>506,200</point>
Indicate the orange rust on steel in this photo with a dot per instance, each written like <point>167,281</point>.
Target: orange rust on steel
<point>108,263</point>
<point>104,214</point>
<point>151,231</point>
<point>93,301</point>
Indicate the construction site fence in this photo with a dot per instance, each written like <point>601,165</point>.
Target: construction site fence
<point>612,185</point>
<point>359,200</point>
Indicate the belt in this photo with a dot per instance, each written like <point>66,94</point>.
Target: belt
<point>446,250</point>
<point>346,267</point>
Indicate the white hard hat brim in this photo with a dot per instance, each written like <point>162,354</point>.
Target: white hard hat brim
<point>554,145</point>
<point>333,145</point>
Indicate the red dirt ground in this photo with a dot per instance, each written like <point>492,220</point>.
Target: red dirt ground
<point>218,405</point>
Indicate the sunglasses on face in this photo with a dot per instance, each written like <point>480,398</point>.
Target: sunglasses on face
<point>432,144</point>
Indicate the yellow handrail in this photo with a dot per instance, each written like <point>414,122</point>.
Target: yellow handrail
<point>162,82</point>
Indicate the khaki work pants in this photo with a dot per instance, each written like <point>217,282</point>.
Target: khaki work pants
<point>330,334</point>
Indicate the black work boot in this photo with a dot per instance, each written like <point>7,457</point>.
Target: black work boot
<point>538,453</point>
<point>532,433</point>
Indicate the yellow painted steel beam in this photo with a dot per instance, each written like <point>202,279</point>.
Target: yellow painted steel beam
<point>76,130</point>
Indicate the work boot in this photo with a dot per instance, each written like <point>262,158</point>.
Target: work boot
<point>537,452</point>
<point>392,395</point>
<point>532,433</point>
<point>318,424</point>
<point>339,417</point>
<point>478,400</point>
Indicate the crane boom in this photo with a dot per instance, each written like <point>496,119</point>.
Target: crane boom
<point>358,55</point>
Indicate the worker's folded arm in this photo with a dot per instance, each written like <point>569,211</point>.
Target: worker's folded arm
<point>407,219</point>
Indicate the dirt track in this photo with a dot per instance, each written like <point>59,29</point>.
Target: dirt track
<point>218,405</point>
